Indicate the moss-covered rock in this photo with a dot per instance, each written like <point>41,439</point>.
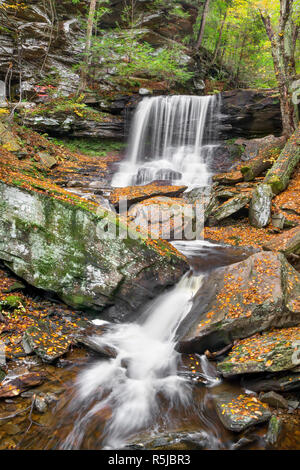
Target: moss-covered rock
<point>11,302</point>
<point>61,246</point>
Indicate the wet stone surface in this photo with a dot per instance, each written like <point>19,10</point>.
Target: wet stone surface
<point>240,412</point>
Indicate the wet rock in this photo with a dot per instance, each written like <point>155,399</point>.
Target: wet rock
<point>76,253</point>
<point>51,398</point>
<point>238,413</point>
<point>15,386</point>
<point>279,382</point>
<point>273,351</point>
<point>229,208</point>
<point>96,344</point>
<point>274,429</point>
<point>260,206</point>
<point>181,441</point>
<point>294,404</point>
<point>240,300</point>
<point>274,399</point>
<point>40,404</point>
<point>243,442</point>
<point>46,341</point>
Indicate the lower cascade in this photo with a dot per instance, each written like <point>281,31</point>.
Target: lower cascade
<point>171,138</point>
<point>132,386</point>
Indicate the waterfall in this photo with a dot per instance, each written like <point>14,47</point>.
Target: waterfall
<point>144,369</point>
<point>171,138</point>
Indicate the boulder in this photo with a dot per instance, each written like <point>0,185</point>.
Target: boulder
<point>47,160</point>
<point>274,399</point>
<point>274,430</point>
<point>280,382</point>
<point>134,194</point>
<point>287,242</point>
<point>238,413</point>
<point>14,386</point>
<point>229,208</point>
<point>260,206</point>
<point>90,260</point>
<point>46,341</point>
<point>165,217</point>
<point>273,351</point>
<point>240,300</point>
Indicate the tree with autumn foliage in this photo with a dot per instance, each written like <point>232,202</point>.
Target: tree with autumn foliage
<point>282,30</point>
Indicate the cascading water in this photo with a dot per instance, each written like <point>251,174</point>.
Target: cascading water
<point>171,138</point>
<point>144,369</point>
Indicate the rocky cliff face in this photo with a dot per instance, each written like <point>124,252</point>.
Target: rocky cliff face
<point>46,44</point>
<point>63,248</point>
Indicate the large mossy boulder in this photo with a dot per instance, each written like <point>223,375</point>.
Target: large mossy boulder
<point>240,300</point>
<point>63,247</point>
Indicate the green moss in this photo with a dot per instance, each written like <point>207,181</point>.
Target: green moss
<point>11,302</point>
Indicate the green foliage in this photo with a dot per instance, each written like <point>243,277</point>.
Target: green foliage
<point>90,146</point>
<point>123,56</point>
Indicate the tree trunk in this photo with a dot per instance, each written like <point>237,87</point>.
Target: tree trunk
<point>283,52</point>
<point>218,43</point>
<point>237,73</point>
<point>85,65</point>
<point>202,24</point>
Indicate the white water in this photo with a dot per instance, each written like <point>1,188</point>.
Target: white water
<point>145,367</point>
<point>171,138</point>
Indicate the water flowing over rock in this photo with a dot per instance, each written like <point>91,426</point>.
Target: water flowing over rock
<point>240,300</point>
<point>171,138</point>
<point>63,248</point>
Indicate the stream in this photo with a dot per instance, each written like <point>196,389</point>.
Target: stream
<point>147,395</point>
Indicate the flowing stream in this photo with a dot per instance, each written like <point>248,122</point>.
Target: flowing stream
<point>171,138</point>
<point>144,371</point>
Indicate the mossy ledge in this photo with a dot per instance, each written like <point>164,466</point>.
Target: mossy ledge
<point>65,248</point>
